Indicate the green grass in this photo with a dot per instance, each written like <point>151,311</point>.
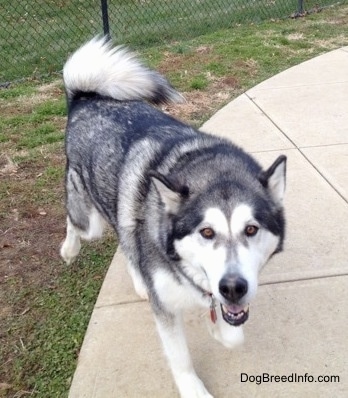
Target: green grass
<point>199,82</point>
<point>48,304</point>
<point>51,108</point>
<point>24,89</point>
<point>54,326</point>
<point>36,37</point>
<point>156,22</point>
<point>37,125</point>
<point>248,54</point>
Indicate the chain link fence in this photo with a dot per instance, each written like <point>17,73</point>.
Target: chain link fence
<point>36,36</point>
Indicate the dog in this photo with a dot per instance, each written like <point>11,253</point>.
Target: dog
<point>196,216</point>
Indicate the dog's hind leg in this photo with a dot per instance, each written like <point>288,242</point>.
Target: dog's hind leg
<point>83,221</point>
<point>171,331</point>
<point>72,243</point>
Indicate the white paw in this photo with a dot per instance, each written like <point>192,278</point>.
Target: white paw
<point>190,386</point>
<point>69,252</point>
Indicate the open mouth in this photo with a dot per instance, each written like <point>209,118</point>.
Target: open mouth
<point>233,315</point>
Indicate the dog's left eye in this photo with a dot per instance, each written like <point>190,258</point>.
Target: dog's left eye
<point>207,233</point>
<point>251,230</point>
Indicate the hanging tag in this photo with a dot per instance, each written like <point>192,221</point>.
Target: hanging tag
<point>213,315</point>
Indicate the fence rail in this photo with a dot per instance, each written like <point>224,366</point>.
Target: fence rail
<point>36,36</point>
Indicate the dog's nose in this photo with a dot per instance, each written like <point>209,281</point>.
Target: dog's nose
<point>233,287</point>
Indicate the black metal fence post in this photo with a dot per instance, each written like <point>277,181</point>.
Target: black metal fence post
<point>300,7</point>
<point>105,16</point>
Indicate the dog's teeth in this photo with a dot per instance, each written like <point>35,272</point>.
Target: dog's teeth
<point>238,314</point>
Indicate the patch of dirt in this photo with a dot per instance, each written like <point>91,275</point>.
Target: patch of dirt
<point>28,237</point>
<point>200,104</point>
<point>295,36</point>
<point>32,226</point>
<point>7,165</point>
<point>185,62</point>
<point>204,49</point>
<point>31,217</point>
<point>330,43</point>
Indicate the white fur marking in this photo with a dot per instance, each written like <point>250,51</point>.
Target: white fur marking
<point>197,255</point>
<point>216,219</point>
<point>242,215</point>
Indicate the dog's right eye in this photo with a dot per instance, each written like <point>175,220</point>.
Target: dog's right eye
<point>207,233</point>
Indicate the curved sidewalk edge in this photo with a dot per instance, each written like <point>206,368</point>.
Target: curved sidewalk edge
<point>298,322</point>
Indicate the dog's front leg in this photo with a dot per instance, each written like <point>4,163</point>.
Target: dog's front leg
<point>171,331</point>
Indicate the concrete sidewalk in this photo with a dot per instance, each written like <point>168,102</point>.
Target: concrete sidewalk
<point>299,321</point>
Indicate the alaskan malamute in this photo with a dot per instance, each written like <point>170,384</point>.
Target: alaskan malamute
<point>196,217</point>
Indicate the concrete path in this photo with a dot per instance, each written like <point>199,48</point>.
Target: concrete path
<point>299,321</point>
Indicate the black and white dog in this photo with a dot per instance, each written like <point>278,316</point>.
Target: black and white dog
<point>196,216</point>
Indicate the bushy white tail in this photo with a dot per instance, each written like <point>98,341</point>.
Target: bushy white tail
<point>99,67</point>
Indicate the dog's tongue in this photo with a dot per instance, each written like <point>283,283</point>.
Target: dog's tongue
<point>235,309</point>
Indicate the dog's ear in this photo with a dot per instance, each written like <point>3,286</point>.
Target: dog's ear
<point>274,179</point>
<point>171,192</point>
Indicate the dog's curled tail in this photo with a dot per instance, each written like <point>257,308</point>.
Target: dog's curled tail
<point>99,67</point>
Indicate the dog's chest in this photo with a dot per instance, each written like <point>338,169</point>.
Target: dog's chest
<point>177,295</point>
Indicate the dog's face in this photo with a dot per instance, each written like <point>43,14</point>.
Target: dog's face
<point>227,252</point>
<point>225,235</point>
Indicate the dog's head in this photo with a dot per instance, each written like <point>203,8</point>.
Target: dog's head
<point>224,234</point>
